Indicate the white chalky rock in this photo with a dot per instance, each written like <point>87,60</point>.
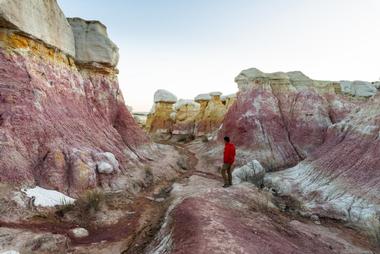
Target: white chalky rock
<point>189,103</point>
<point>252,172</point>
<point>92,43</point>
<point>106,163</point>
<point>203,97</point>
<point>215,94</point>
<point>47,198</point>
<point>162,95</point>
<point>80,232</point>
<point>43,20</point>
<point>229,96</point>
<point>358,88</point>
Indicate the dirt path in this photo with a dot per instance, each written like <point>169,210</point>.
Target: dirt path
<point>135,229</point>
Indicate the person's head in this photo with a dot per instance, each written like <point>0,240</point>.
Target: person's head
<point>226,139</point>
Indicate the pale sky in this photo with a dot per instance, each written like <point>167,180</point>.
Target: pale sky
<point>196,46</point>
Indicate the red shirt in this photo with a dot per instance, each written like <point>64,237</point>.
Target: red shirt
<point>229,153</point>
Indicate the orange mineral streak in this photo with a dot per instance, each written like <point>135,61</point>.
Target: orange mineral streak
<point>14,42</point>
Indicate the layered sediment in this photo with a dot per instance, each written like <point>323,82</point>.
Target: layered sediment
<point>324,134</point>
<point>192,118</point>
<point>63,117</point>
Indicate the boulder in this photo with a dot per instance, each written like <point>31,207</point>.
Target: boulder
<point>79,232</point>
<point>106,163</point>
<point>40,19</point>
<point>252,172</point>
<point>92,43</point>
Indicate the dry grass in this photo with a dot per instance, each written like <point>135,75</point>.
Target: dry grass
<point>91,201</point>
<point>263,202</point>
<point>374,232</point>
<point>85,207</point>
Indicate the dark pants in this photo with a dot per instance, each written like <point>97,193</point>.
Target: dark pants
<point>227,173</point>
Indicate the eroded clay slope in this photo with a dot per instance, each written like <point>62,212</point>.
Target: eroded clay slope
<point>63,122</point>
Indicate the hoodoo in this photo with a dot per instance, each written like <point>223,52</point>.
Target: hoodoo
<point>299,158</point>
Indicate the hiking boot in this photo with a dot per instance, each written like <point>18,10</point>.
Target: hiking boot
<point>226,185</point>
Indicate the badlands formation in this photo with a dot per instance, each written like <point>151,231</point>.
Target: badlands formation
<point>183,118</point>
<point>78,173</point>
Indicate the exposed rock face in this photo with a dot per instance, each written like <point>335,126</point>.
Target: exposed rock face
<point>358,88</point>
<point>15,241</point>
<point>187,117</point>
<point>280,118</point>
<point>61,123</point>
<point>42,20</point>
<point>164,96</point>
<point>92,43</point>
<point>186,112</point>
<point>253,172</point>
<point>208,219</point>
<point>341,179</point>
<point>228,100</point>
<point>160,120</point>
<point>211,114</point>
<point>141,118</point>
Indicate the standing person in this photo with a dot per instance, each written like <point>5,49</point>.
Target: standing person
<point>228,160</point>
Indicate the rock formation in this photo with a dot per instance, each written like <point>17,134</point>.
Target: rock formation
<point>211,115</point>
<point>358,88</point>
<point>40,20</point>
<point>228,100</point>
<point>92,43</point>
<point>280,118</point>
<point>186,112</point>
<point>160,119</point>
<point>197,117</point>
<point>325,132</point>
<point>341,179</point>
<point>63,121</point>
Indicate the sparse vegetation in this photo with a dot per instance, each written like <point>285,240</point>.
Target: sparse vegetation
<point>263,201</point>
<point>84,208</point>
<point>91,201</point>
<point>149,178</point>
<point>374,231</point>
<point>64,208</point>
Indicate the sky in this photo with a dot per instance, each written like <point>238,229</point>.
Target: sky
<point>190,47</point>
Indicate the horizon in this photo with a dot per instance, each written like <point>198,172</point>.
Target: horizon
<point>199,47</point>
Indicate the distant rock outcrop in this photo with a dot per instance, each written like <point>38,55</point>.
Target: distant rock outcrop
<point>160,119</point>
<point>197,117</point>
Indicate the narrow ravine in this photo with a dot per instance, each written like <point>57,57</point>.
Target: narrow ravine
<point>176,219</point>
